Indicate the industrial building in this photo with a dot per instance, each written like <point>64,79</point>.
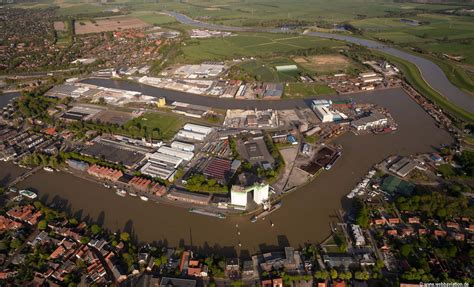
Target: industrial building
<point>403,166</point>
<point>158,170</point>
<point>182,146</point>
<point>185,155</point>
<point>165,160</point>
<point>197,129</point>
<point>239,194</point>
<point>325,114</point>
<point>373,121</point>
<point>190,135</point>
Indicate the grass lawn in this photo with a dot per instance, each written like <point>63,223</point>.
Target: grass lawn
<point>305,90</point>
<point>167,124</point>
<point>64,38</point>
<point>250,45</point>
<point>153,18</point>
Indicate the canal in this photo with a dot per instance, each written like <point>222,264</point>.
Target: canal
<point>304,217</point>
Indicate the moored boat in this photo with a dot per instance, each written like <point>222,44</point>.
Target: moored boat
<point>28,193</point>
<point>121,192</point>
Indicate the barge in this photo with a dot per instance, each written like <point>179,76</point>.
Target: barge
<point>266,212</point>
<point>208,213</point>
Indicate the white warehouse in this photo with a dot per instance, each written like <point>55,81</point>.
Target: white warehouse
<point>165,160</point>
<point>324,114</point>
<point>197,129</point>
<point>190,135</point>
<point>185,155</point>
<point>157,170</point>
<point>182,146</point>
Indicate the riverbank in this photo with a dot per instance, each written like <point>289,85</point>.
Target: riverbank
<point>432,74</point>
<point>314,204</point>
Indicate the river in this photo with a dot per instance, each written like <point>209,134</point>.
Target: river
<point>430,72</point>
<point>304,217</point>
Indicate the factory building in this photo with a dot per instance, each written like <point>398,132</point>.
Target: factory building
<point>157,170</point>
<point>165,160</point>
<point>324,114</point>
<point>239,194</point>
<point>190,135</point>
<point>197,129</point>
<point>182,146</point>
<point>373,121</point>
<point>185,155</point>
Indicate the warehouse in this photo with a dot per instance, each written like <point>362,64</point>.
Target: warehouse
<point>156,170</point>
<point>197,129</point>
<point>165,160</point>
<point>324,114</point>
<point>182,146</point>
<point>403,166</point>
<point>190,135</point>
<point>373,121</point>
<point>185,155</point>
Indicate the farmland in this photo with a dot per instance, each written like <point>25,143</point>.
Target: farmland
<point>108,24</point>
<point>324,64</point>
<point>252,45</point>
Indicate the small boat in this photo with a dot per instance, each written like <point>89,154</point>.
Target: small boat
<point>144,198</point>
<point>121,192</point>
<point>253,219</point>
<point>48,169</point>
<point>131,193</point>
<point>28,193</point>
<point>12,190</point>
<point>107,185</point>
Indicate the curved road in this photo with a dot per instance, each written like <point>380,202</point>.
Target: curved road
<point>432,74</point>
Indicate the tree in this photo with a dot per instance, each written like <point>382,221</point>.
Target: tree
<point>124,236</point>
<point>333,273</point>
<point>15,243</point>
<point>406,249</point>
<point>85,240</point>
<point>321,275</point>
<point>361,275</point>
<point>42,224</point>
<point>95,229</point>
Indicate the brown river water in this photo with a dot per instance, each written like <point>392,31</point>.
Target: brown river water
<point>304,217</point>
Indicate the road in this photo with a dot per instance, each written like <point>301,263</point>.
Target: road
<point>431,73</point>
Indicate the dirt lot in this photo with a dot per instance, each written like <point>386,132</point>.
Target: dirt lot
<point>324,63</point>
<point>113,117</point>
<point>108,24</point>
<point>59,26</point>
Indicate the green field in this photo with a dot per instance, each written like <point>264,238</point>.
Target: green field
<point>165,124</point>
<point>153,18</point>
<point>305,90</point>
<point>64,38</point>
<point>251,45</point>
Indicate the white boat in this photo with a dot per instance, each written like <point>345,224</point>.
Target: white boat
<point>121,192</point>
<point>144,198</point>
<point>28,193</point>
<point>131,193</point>
<point>48,169</point>
<point>107,185</point>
